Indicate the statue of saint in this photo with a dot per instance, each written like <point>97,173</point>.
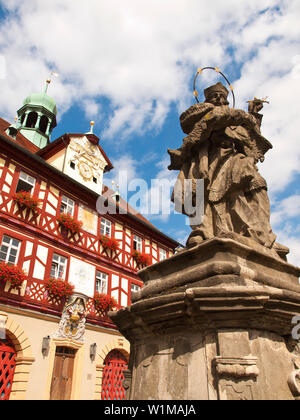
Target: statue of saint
<point>222,147</point>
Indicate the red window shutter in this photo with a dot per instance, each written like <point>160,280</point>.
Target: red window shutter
<point>7,368</point>
<point>114,365</point>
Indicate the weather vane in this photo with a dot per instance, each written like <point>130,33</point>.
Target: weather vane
<point>48,81</point>
<point>199,71</point>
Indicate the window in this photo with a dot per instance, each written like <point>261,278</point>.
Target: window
<point>58,267</point>
<point>72,164</point>
<point>95,180</point>
<point>135,288</point>
<point>31,120</point>
<point>101,282</point>
<point>105,228</point>
<point>43,124</point>
<point>67,206</point>
<point>9,250</point>
<point>137,243</point>
<point>162,254</point>
<point>26,183</point>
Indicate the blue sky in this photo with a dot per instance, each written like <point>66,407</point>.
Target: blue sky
<point>129,66</point>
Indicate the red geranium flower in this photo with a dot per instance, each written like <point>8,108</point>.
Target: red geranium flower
<point>59,287</point>
<point>25,199</point>
<point>67,221</point>
<point>109,243</point>
<point>141,259</point>
<point>12,274</point>
<point>104,303</point>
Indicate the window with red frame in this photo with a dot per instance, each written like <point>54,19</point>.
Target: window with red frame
<point>137,243</point>
<point>101,282</point>
<point>106,227</point>
<point>9,250</point>
<point>135,288</point>
<point>58,267</point>
<point>162,254</point>
<point>25,183</point>
<point>67,206</point>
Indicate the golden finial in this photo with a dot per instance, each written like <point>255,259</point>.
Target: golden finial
<point>92,123</point>
<point>49,80</point>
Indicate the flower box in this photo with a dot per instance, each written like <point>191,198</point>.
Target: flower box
<point>109,243</point>
<point>141,259</point>
<point>68,222</point>
<point>59,288</point>
<point>12,274</point>
<point>104,303</point>
<point>25,199</point>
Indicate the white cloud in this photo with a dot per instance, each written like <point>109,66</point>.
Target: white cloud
<point>124,165</point>
<point>285,223</point>
<point>293,243</point>
<point>141,57</point>
<point>285,210</point>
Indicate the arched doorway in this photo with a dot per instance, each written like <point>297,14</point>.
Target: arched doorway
<point>114,365</point>
<point>7,368</point>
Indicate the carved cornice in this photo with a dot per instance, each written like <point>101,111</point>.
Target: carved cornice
<point>237,367</point>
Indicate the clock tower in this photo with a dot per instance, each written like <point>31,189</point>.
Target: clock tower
<point>79,156</point>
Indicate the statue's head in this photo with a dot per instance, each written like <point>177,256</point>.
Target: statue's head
<point>216,95</point>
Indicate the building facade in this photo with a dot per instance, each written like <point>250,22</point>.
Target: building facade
<point>52,347</point>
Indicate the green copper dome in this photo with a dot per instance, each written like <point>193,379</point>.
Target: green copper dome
<point>41,99</point>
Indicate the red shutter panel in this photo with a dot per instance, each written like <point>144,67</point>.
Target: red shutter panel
<point>114,365</point>
<point>7,368</point>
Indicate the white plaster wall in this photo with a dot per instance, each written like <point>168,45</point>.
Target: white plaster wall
<point>75,174</point>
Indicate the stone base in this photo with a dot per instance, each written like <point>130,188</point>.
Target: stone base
<point>212,323</point>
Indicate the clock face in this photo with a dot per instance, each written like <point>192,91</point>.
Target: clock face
<point>85,170</point>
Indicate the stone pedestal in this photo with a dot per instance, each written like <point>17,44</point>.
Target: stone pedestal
<point>214,322</point>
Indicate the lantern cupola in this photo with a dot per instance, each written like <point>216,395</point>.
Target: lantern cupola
<point>37,117</point>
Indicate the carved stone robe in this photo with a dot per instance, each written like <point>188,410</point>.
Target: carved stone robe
<point>225,156</point>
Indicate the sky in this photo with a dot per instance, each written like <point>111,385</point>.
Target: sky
<point>129,66</point>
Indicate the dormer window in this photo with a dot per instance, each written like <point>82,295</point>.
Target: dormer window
<point>26,183</point>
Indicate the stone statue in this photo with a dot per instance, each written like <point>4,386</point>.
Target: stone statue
<point>222,147</point>
<point>213,321</point>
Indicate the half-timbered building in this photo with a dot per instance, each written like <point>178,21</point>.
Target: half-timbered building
<point>50,347</point>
